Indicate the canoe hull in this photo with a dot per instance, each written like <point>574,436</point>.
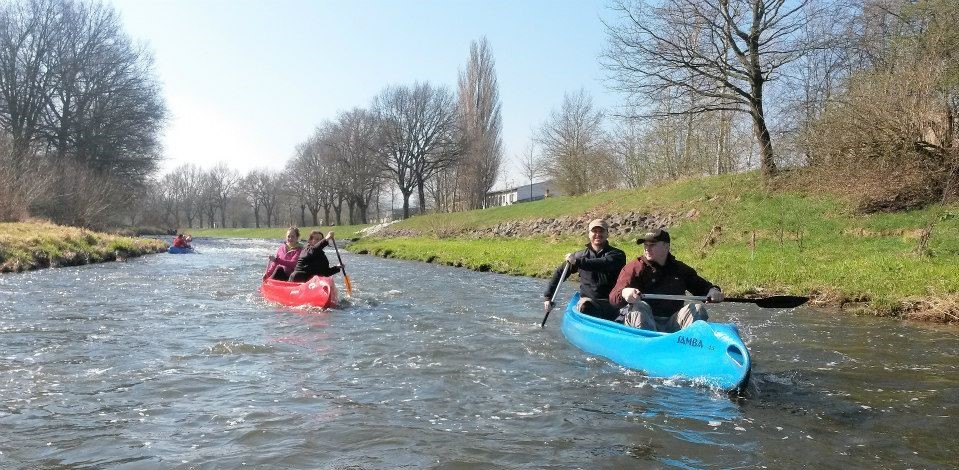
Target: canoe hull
<point>709,353</point>
<point>317,292</point>
<point>176,250</point>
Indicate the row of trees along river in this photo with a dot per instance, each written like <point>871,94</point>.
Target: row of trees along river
<point>846,88</point>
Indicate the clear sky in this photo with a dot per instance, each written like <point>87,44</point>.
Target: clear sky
<point>246,80</point>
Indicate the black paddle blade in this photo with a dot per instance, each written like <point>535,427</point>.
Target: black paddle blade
<point>776,301</point>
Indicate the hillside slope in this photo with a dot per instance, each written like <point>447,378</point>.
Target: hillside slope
<point>746,237</point>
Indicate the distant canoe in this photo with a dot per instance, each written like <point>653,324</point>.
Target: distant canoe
<point>176,250</point>
<point>319,291</point>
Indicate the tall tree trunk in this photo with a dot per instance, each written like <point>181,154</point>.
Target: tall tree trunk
<point>420,188</point>
<point>338,210</point>
<point>767,164</point>
<point>406,203</point>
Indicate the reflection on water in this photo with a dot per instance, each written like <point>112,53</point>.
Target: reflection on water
<point>174,361</point>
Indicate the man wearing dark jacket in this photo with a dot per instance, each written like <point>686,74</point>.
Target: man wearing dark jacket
<point>312,260</point>
<point>659,272</point>
<point>598,265</point>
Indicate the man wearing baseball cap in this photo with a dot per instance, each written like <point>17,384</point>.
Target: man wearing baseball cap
<point>598,265</point>
<point>657,271</point>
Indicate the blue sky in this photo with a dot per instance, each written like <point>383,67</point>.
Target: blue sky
<point>247,80</point>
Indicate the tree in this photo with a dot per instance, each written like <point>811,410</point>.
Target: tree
<point>20,181</point>
<point>309,174</point>
<point>417,125</point>
<point>723,52</point>
<point>628,149</point>
<point>251,188</point>
<point>28,34</point>
<point>221,181</point>
<point>357,147</point>
<point>184,187</point>
<point>104,110</point>
<point>76,93</point>
<point>531,166</point>
<point>573,144</point>
<point>901,112</point>
<point>174,191</point>
<point>480,125</point>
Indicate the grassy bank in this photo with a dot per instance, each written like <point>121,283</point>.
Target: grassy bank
<point>746,238</point>
<point>26,246</point>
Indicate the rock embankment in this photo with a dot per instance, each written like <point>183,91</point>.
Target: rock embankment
<point>631,223</point>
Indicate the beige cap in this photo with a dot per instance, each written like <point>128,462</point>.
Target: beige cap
<point>598,223</point>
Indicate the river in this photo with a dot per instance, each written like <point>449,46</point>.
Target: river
<point>175,361</point>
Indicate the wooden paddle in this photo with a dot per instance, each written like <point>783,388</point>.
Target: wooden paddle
<point>550,308</point>
<point>346,279</point>
<point>776,301</point>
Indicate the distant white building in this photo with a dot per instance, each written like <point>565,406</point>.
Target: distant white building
<point>522,193</point>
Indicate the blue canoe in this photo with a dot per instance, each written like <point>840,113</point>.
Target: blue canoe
<point>176,250</point>
<point>704,352</point>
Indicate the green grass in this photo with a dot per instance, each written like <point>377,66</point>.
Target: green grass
<point>32,245</point>
<point>806,244</point>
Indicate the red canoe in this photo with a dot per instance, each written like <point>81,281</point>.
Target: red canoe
<point>317,292</point>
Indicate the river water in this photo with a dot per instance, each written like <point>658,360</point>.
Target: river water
<point>175,361</point>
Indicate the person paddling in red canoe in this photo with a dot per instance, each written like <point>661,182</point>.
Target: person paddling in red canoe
<point>312,260</point>
<point>283,262</point>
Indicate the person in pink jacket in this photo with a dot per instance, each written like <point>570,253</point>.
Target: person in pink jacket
<point>283,262</point>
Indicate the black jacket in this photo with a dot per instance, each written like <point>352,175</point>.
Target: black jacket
<point>313,262</point>
<point>597,271</point>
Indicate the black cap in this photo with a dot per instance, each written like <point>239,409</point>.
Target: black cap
<point>658,235</point>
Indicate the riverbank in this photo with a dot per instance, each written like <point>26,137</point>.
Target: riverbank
<point>26,246</point>
<point>753,239</point>
<point>750,238</point>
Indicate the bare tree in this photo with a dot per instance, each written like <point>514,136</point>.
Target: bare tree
<point>28,35</point>
<point>309,175</point>
<point>573,144</point>
<point>445,191</point>
<point>417,124</point>
<point>184,187</point>
<point>251,189</point>
<point>627,147</point>
<point>723,52</point>
<point>174,189</point>
<point>104,110</point>
<point>76,92</point>
<point>531,166</point>
<point>896,121</point>
<point>480,125</point>
<point>221,183</point>
<point>357,147</point>
<point>21,181</point>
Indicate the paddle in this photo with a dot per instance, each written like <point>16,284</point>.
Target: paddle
<point>346,279</point>
<point>267,272</point>
<point>561,278</point>
<point>776,301</point>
